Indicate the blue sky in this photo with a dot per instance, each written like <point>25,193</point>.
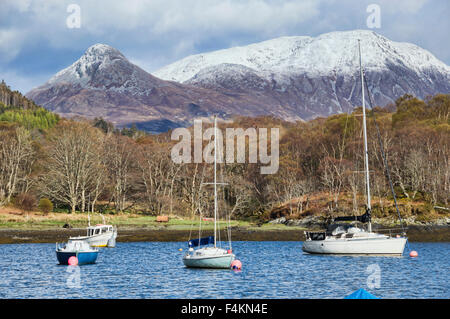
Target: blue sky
<point>35,41</point>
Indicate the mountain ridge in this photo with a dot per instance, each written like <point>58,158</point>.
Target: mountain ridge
<point>293,78</point>
<point>299,50</point>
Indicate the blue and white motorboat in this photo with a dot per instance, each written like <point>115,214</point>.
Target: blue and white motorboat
<point>76,248</point>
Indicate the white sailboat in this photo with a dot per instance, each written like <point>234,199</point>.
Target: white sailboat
<point>209,257</point>
<point>351,239</point>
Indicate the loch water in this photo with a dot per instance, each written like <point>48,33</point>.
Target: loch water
<point>270,270</point>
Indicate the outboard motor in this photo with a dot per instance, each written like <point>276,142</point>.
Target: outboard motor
<point>112,241</point>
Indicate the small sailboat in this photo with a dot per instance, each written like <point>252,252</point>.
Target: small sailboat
<point>76,248</point>
<point>209,256</point>
<point>100,235</point>
<point>351,239</point>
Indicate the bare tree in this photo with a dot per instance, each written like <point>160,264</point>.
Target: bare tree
<point>158,173</point>
<point>333,177</point>
<point>238,193</point>
<point>120,155</point>
<point>16,157</point>
<point>191,182</point>
<point>72,163</point>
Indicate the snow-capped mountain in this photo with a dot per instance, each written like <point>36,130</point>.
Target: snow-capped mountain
<point>331,52</point>
<point>103,83</point>
<point>317,76</point>
<point>292,78</point>
<point>105,68</point>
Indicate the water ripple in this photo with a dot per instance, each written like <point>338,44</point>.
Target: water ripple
<point>270,270</point>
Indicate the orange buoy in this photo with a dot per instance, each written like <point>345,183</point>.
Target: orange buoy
<point>236,265</point>
<point>73,261</point>
<point>413,253</point>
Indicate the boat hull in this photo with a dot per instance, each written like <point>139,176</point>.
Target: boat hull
<point>363,246</point>
<point>83,257</point>
<point>219,262</point>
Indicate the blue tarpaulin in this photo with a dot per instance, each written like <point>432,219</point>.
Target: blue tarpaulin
<point>201,241</point>
<point>361,294</point>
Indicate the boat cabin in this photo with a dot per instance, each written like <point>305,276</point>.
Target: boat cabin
<point>337,231</point>
<point>74,246</point>
<point>99,229</point>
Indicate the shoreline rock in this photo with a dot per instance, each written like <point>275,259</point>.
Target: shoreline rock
<point>318,221</point>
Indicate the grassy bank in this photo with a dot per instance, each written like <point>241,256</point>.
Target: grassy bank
<point>11,218</point>
<point>35,227</point>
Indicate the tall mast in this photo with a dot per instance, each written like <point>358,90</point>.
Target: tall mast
<point>215,179</point>
<point>366,153</point>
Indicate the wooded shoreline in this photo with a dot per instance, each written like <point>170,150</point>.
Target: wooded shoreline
<point>426,233</point>
<point>53,171</point>
<point>53,164</point>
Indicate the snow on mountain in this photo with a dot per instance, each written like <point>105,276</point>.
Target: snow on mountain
<point>103,67</point>
<point>329,53</point>
<point>95,58</point>
<point>226,75</point>
<point>317,76</point>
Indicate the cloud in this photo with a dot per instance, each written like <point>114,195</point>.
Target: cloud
<point>150,19</point>
<point>402,6</point>
<point>18,81</point>
<point>11,41</point>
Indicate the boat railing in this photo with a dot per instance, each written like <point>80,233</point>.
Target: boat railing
<point>392,232</point>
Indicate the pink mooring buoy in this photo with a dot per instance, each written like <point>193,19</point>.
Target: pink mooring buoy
<point>236,264</point>
<point>73,261</point>
<point>413,253</point>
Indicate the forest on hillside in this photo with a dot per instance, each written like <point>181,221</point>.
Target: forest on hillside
<point>16,108</point>
<point>80,165</point>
